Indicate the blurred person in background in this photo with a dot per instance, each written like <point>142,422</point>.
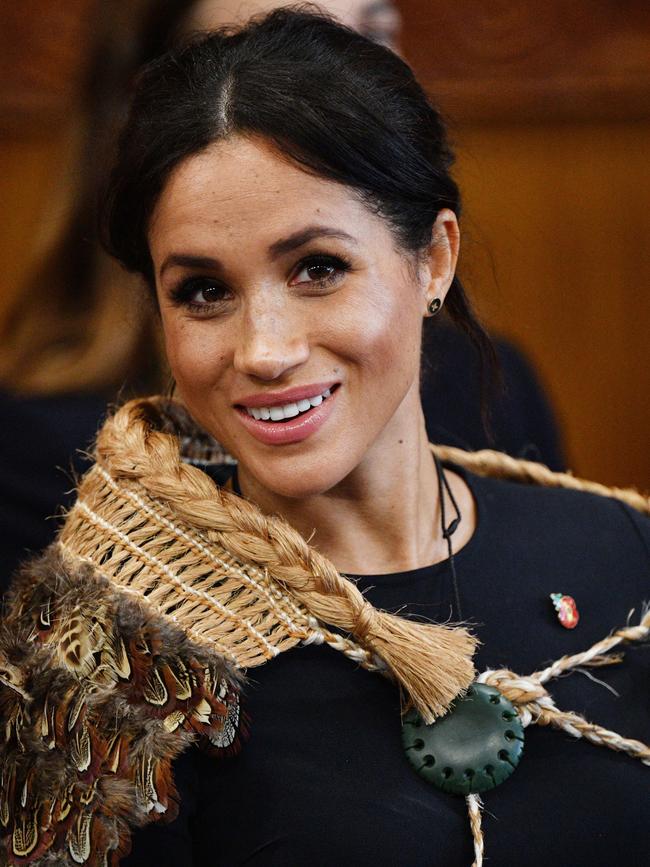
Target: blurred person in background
<point>87,340</point>
<point>379,20</point>
<point>78,334</point>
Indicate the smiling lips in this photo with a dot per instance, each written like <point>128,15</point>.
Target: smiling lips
<point>289,416</point>
<point>287,410</point>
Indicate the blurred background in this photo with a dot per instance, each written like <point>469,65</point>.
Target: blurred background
<point>549,111</point>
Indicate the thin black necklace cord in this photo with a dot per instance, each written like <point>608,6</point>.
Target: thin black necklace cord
<point>448,531</point>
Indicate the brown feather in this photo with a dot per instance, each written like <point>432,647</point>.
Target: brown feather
<point>78,838</point>
<point>94,696</point>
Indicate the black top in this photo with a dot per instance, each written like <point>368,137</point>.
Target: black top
<point>323,779</point>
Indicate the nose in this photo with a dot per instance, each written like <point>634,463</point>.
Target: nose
<point>272,342</point>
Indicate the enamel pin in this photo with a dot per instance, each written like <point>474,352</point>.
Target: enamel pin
<point>567,610</point>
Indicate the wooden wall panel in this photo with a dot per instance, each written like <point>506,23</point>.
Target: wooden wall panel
<point>562,58</point>
<point>556,252</point>
<point>550,108</point>
<point>43,50</point>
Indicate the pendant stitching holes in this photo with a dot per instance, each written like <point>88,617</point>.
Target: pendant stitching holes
<point>474,748</point>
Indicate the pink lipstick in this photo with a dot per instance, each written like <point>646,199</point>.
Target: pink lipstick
<point>302,423</point>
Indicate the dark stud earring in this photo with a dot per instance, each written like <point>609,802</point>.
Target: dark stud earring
<point>434,306</point>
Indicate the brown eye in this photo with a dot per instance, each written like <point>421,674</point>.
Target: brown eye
<point>319,272</point>
<point>320,269</point>
<point>203,291</point>
<point>200,292</point>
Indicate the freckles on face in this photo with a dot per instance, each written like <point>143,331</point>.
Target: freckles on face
<point>193,354</point>
<point>276,288</point>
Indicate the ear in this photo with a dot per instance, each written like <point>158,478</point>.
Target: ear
<point>438,263</point>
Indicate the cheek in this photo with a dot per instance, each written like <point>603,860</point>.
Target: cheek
<point>382,333</point>
<point>195,356</point>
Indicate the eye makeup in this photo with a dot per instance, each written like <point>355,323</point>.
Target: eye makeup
<point>322,269</point>
<point>210,293</point>
<point>204,295</point>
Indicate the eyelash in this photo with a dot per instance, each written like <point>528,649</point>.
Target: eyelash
<point>181,296</point>
<point>340,266</point>
<point>183,293</point>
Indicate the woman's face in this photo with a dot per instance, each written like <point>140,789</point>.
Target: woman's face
<point>292,321</point>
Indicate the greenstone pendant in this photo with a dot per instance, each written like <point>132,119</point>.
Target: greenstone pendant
<point>473,748</point>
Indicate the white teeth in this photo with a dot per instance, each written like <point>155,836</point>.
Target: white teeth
<point>288,410</point>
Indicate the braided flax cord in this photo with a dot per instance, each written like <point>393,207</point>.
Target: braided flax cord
<point>245,583</point>
<point>474,807</point>
<point>535,706</point>
<point>300,626</point>
<point>498,465</point>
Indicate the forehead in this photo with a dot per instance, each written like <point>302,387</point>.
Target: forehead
<point>242,189</point>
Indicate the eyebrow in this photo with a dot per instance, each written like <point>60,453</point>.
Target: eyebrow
<point>304,236</point>
<point>186,261</point>
<point>278,248</point>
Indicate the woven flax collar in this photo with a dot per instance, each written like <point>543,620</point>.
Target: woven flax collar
<point>229,576</point>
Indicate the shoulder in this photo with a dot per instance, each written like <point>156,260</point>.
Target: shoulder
<point>574,509</point>
<point>574,529</point>
<point>533,541</point>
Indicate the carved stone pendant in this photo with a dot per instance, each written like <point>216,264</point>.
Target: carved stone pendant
<point>473,748</point>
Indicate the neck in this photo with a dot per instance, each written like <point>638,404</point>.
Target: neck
<point>385,515</point>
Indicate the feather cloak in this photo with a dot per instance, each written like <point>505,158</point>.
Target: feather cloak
<point>98,694</point>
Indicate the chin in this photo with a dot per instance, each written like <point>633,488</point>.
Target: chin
<point>297,482</point>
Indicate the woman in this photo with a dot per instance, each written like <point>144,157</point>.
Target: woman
<point>61,363</point>
<point>285,191</point>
